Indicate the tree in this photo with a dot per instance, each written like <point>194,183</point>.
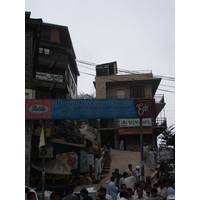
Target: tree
<point>167,136</point>
<point>83,95</point>
<point>68,130</point>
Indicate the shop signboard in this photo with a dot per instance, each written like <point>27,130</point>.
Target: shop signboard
<point>135,122</point>
<point>49,77</point>
<point>134,131</point>
<point>36,109</point>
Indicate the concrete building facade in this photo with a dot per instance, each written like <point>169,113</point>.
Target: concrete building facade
<point>136,85</point>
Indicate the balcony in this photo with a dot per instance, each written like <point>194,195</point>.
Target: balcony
<point>159,98</point>
<point>159,102</point>
<point>160,125</point>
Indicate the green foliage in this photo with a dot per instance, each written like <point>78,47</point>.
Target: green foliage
<point>82,95</point>
<point>167,135</point>
<point>69,131</point>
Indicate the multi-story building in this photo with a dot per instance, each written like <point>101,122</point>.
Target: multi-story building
<point>50,73</point>
<point>32,38</point>
<point>136,85</point>
<point>56,71</point>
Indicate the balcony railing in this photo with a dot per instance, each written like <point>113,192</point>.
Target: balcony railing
<point>161,121</point>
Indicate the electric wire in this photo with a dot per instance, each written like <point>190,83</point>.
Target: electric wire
<point>126,71</point>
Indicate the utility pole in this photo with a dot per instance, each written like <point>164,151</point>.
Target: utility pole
<point>141,150</point>
<point>43,165</point>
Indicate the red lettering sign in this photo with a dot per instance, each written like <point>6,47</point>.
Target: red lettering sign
<point>38,108</point>
<point>134,131</point>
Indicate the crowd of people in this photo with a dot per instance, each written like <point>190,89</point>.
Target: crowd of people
<point>126,186</point>
<point>120,189</point>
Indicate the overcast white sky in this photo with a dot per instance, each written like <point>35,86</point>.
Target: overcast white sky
<point>138,34</point>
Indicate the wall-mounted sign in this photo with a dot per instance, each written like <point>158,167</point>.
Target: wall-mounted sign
<point>84,109</point>
<point>69,159</point>
<point>135,122</point>
<point>145,107</point>
<point>134,131</point>
<point>49,77</point>
<point>166,155</point>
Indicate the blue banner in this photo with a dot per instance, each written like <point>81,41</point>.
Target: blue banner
<point>93,108</point>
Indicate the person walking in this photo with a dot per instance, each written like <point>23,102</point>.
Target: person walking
<point>84,194</point>
<point>124,195</point>
<point>129,170</point>
<point>31,196</point>
<point>69,193</point>
<point>123,189</point>
<point>108,147</point>
<point>118,176</point>
<point>97,165</point>
<point>103,191</point>
<point>54,196</point>
<point>121,145</point>
<point>28,189</point>
<point>170,189</point>
<point>125,175</point>
<point>137,174</point>
<point>140,194</point>
<point>112,188</point>
<point>162,190</point>
<point>145,152</point>
<point>152,159</point>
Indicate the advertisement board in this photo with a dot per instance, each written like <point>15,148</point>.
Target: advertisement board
<point>134,131</point>
<point>135,122</point>
<point>49,77</point>
<point>88,108</point>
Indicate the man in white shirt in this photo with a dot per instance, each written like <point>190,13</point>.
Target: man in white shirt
<point>137,174</point>
<point>123,189</point>
<point>124,195</point>
<point>129,170</point>
<point>140,194</point>
<point>162,190</point>
<point>97,165</point>
<point>103,191</point>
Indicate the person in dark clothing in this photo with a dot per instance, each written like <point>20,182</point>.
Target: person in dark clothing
<point>84,194</point>
<point>54,196</point>
<point>69,193</point>
<point>108,147</point>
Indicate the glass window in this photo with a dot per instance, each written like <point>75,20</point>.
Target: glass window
<point>120,93</point>
<point>137,91</point>
<point>40,50</point>
<point>46,51</point>
<point>46,34</point>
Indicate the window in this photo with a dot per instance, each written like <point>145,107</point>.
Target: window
<point>44,51</point>
<point>46,34</point>
<point>137,91</point>
<point>40,50</point>
<point>120,93</point>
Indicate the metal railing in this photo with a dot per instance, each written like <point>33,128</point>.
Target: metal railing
<point>161,121</point>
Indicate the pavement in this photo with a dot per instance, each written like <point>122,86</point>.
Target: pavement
<point>121,159</point>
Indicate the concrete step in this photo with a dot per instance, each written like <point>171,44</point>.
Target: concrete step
<point>105,171</point>
<point>106,163</point>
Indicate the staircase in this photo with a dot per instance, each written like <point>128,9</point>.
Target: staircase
<point>106,166</point>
